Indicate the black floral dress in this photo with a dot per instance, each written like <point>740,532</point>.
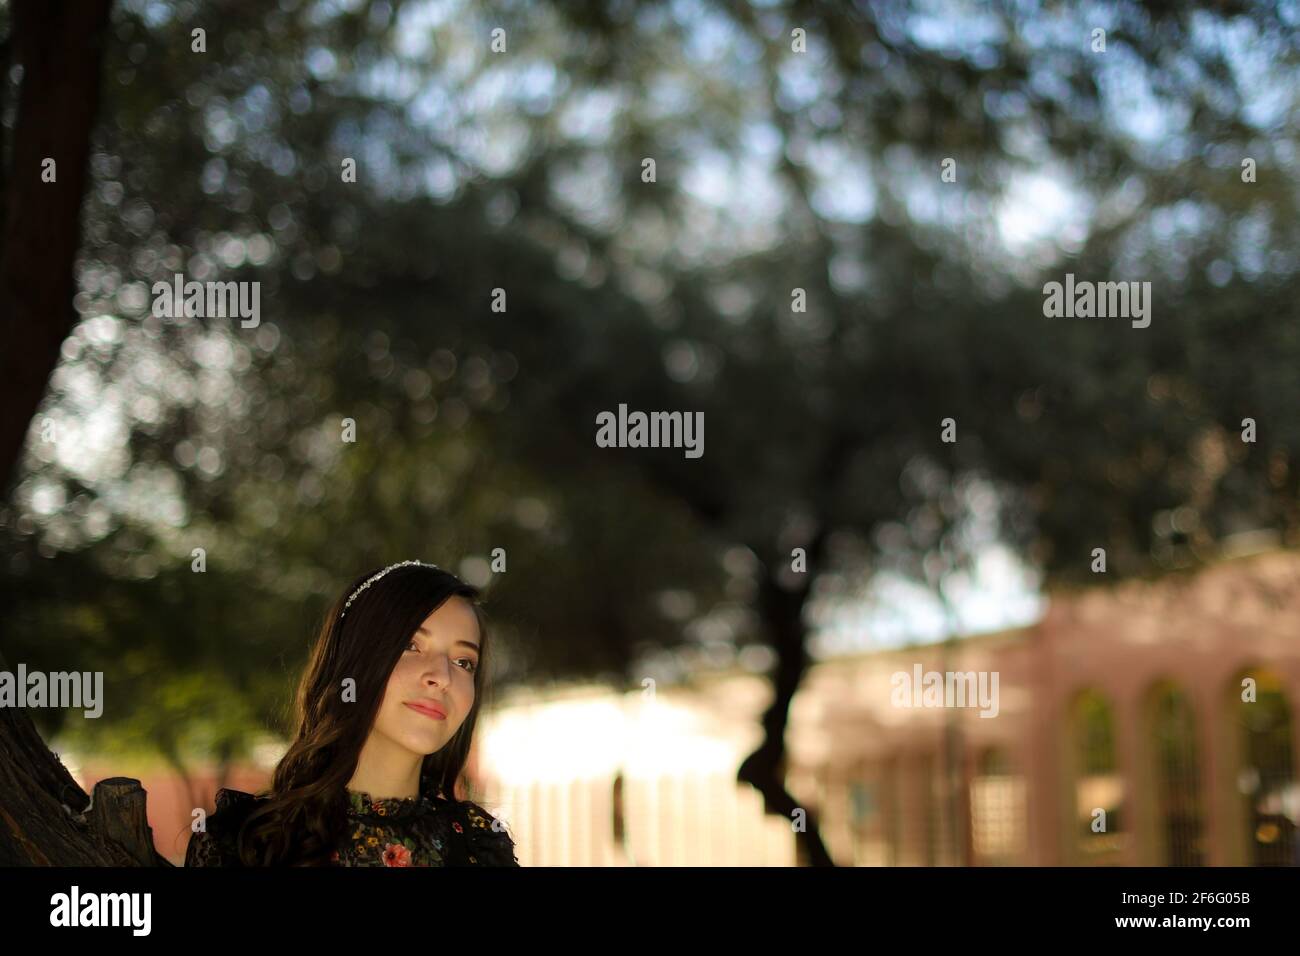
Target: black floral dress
<point>405,831</point>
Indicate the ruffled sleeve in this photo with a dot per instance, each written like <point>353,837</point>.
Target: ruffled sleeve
<point>488,840</point>
<point>217,846</point>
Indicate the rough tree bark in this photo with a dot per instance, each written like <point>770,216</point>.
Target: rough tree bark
<point>46,819</point>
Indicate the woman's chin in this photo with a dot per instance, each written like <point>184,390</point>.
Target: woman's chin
<point>425,743</point>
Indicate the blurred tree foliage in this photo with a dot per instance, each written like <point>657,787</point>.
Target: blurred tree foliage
<point>775,170</point>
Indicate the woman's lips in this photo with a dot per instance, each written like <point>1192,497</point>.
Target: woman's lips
<point>429,710</point>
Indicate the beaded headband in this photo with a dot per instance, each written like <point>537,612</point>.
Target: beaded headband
<point>375,577</point>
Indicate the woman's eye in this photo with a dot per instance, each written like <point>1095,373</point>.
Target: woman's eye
<point>469,664</point>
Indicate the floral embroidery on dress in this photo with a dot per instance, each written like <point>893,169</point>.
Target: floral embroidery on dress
<point>395,854</point>
<point>392,831</point>
<point>395,831</point>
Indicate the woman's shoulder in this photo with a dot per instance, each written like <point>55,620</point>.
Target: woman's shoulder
<point>490,841</point>
<point>217,843</point>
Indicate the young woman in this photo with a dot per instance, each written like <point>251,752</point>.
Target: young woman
<point>385,718</point>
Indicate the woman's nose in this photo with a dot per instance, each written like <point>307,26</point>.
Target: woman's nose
<point>439,670</point>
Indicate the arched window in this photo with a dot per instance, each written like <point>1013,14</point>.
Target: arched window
<point>1178,805</point>
<point>866,820</point>
<point>1266,778</point>
<point>892,806</point>
<point>1098,787</point>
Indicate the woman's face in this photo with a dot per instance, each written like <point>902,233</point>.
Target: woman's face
<point>435,673</point>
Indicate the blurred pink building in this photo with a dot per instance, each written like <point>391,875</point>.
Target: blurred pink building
<point>1145,724</point>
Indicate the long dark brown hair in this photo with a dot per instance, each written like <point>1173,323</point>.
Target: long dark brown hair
<point>306,811</point>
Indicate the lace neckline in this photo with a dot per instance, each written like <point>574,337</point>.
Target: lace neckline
<point>362,804</point>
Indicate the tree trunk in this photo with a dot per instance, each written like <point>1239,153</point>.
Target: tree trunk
<point>46,819</point>
<point>60,48</point>
<point>764,769</point>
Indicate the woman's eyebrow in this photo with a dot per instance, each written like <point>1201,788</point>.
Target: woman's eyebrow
<point>469,644</point>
